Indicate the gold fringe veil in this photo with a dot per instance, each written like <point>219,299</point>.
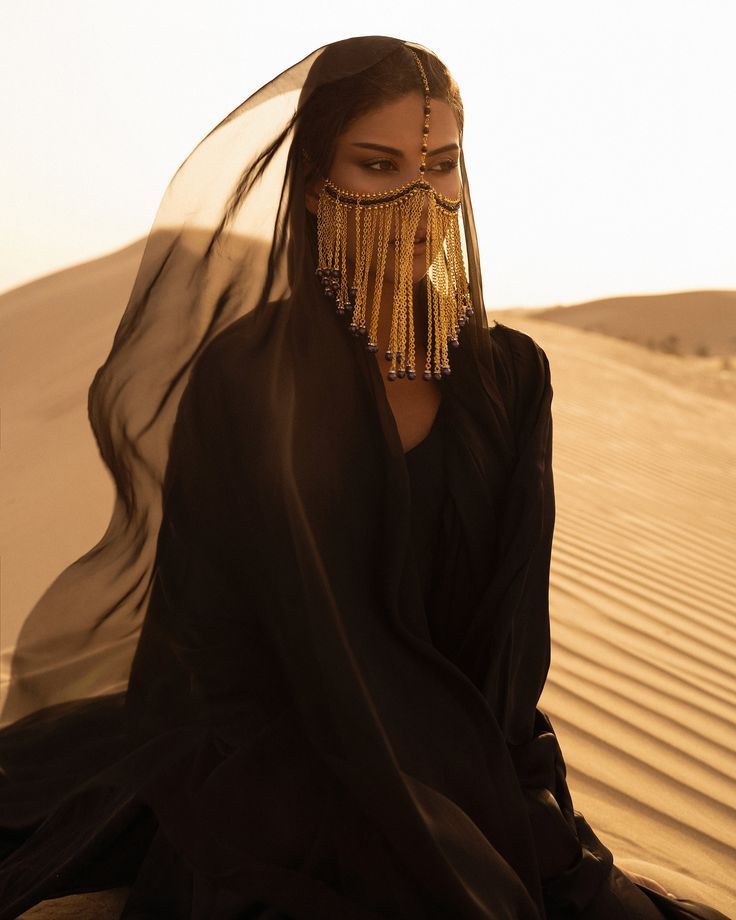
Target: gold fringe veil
<point>372,217</point>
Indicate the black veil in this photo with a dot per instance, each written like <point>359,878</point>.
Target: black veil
<point>232,702</point>
<point>229,237</point>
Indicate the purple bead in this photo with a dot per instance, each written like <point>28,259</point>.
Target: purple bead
<point>445,370</point>
<point>427,375</point>
<point>401,372</point>
<point>389,356</point>
<point>411,374</point>
<point>391,375</point>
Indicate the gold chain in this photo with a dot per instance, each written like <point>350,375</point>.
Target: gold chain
<point>374,216</point>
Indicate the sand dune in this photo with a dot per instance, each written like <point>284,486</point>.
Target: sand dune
<point>54,334</point>
<point>641,689</point>
<point>688,322</point>
<point>712,375</point>
<point>643,608</point>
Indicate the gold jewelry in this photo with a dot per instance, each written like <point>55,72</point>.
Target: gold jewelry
<point>373,216</point>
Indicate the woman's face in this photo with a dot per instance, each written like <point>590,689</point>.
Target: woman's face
<point>381,150</point>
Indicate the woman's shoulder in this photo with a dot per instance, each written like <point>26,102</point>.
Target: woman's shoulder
<point>233,364</point>
<point>518,345</point>
<point>524,364</point>
<point>238,340</point>
<point>522,354</point>
<point>229,376</point>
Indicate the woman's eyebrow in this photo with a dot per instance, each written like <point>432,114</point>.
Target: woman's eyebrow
<point>398,153</point>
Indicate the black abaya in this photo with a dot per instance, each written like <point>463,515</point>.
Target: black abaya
<point>284,752</point>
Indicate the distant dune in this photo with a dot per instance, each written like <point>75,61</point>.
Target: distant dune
<point>673,356</point>
<point>688,322</point>
<point>641,688</point>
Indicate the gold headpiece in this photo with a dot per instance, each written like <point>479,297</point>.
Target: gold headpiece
<point>373,217</point>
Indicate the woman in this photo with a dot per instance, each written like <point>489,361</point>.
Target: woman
<point>329,557</point>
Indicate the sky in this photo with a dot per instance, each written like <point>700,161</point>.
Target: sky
<point>599,140</point>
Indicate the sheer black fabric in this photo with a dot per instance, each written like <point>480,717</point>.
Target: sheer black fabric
<point>265,693</point>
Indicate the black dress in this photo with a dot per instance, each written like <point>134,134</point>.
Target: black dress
<point>273,760</point>
<point>447,534</point>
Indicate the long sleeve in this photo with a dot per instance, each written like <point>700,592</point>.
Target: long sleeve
<point>573,862</point>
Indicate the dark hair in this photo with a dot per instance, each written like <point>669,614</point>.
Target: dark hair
<point>332,107</point>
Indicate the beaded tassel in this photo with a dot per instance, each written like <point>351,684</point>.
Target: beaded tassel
<point>373,217</point>
<point>448,294</point>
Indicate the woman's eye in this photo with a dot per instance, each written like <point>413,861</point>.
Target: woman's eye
<point>378,165</point>
<point>387,165</point>
<point>446,165</point>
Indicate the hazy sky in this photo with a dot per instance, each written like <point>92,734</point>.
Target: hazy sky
<point>600,137</point>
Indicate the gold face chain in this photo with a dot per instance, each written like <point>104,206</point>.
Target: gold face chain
<point>372,216</point>
<point>378,199</point>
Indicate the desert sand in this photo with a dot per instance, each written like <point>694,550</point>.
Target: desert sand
<point>643,580</point>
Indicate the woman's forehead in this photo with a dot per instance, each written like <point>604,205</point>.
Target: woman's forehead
<point>398,124</point>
